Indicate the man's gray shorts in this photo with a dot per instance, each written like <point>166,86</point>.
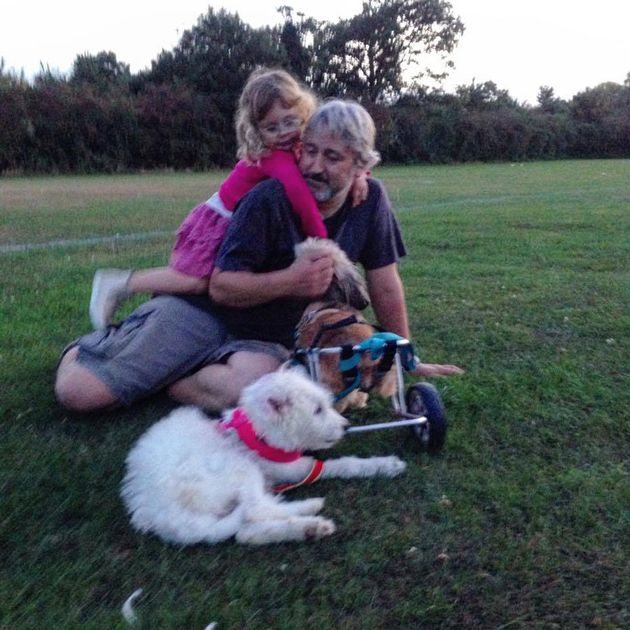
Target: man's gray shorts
<point>162,341</point>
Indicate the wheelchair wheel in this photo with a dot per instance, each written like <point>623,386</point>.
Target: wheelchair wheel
<point>423,399</point>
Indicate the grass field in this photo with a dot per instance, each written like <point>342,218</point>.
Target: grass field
<point>518,272</point>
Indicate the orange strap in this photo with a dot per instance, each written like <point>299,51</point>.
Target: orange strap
<point>316,472</point>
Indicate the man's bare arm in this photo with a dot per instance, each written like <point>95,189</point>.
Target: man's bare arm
<point>388,301</point>
<point>307,277</point>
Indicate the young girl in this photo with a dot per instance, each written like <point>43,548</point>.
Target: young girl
<point>273,109</point>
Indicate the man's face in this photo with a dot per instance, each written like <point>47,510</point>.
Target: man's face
<point>328,167</point>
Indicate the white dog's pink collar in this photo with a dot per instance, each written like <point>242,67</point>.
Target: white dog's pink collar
<point>239,421</point>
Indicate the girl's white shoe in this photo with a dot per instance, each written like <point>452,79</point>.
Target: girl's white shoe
<point>109,290</point>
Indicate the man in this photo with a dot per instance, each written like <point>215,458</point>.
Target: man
<point>258,290</point>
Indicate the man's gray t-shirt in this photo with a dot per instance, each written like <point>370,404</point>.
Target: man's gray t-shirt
<point>263,233</point>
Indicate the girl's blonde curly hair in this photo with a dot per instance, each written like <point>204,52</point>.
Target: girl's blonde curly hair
<point>263,89</point>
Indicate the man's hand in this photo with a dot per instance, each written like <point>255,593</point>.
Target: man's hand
<point>436,369</point>
<point>359,190</point>
<point>311,275</point>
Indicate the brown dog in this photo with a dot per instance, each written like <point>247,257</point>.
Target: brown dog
<point>331,325</point>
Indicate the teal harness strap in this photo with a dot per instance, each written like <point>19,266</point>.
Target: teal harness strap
<point>375,344</point>
<point>349,362</point>
<point>348,366</point>
<point>379,341</point>
<point>354,385</point>
<point>408,357</point>
<point>381,345</point>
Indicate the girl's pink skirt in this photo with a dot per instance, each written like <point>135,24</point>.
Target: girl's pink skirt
<point>199,238</point>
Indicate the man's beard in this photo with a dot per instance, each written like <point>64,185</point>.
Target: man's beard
<point>321,193</point>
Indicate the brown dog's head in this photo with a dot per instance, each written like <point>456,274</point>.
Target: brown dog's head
<point>332,325</point>
<point>348,286</point>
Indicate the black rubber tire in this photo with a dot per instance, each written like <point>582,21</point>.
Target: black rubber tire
<point>423,399</point>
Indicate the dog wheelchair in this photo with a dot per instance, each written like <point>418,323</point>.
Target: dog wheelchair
<point>419,407</point>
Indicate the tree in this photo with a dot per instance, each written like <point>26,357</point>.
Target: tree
<point>214,59</point>
<point>483,96</point>
<point>217,54</point>
<point>298,57</point>
<point>15,127</point>
<point>602,114</point>
<point>548,102</point>
<point>102,71</point>
<point>370,55</point>
<point>602,101</point>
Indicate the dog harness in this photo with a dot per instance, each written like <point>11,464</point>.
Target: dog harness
<point>381,345</point>
<point>239,421</point>
<point>317,469</point>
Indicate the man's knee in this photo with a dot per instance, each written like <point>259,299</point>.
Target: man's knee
<point>252,365</point>
<point>204,389</point>
<point>180,390</point>
<point>77,389</point>
<point>218,386</point>
<point>247,367</point>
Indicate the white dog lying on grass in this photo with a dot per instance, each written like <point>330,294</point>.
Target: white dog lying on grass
<point>190,479</point>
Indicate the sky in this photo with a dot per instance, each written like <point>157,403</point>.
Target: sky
<point>569,45</point>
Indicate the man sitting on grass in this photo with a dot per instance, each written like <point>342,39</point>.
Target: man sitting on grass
<point>205,349</point>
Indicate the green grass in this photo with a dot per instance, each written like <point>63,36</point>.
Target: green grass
<point>518,272</point>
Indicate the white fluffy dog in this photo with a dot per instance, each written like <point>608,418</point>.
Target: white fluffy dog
<point>190,479</point>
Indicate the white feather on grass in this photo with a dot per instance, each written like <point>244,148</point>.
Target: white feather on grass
<point>127,607</point>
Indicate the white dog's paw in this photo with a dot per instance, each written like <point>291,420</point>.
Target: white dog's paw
<point>392,466</point>
<point>319,528</point>
<point>311,506</point>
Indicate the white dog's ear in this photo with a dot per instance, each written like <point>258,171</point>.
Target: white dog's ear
<point>278,405</point>
<point>291,366</point>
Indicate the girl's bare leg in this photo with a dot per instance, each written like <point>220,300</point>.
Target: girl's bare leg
<point>165,280</point>
<point>112,287</point>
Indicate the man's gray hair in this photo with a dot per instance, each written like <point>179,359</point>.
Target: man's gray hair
<point>350,122</point>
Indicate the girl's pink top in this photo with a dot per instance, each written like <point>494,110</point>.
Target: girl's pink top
<point>200,236</point>
<point>278,165</point>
